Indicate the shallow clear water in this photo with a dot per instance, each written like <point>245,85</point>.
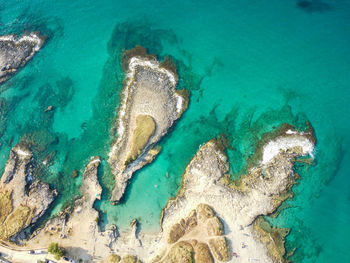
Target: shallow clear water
<point>250,65</point>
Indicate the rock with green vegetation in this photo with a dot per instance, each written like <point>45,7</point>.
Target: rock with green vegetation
<point>204,212</point>
<point>272,237</point>
<point>181,252</point>
<point>215,227</point>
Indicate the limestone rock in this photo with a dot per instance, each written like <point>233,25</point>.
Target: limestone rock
<point>130,259</point>
<point>204,212</point>
<point>202,254</point>
<point>28,200</point>
<point>220,249</point>
<point>176,232</point>
<point>181,252</point>
<point>150,105</point>
<point>113,258</point>
<point>215,227</point>
<point>16,52</point>
<point>191,221</point>
<point>39,198</point>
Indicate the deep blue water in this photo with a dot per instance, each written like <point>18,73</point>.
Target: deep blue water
<point>250,65</point>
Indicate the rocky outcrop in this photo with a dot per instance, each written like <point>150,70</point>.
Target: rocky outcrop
<point>78,225</point>
<point>260,192</point>
<point>23,200</point>
<point>130,259</point>
<point>198,238</point>
<point>180,252</point>
<point>219,248</point>
<point>91,188</point>
<point>149,107</point>
<point>202,253</point>
<point>16,52</point>
<point>113,258</point>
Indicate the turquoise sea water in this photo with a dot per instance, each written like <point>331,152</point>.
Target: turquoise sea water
<point>250,65</point>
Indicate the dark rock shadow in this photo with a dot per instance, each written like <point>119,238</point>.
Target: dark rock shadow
<point>79,254</point>
<point>313,6</point>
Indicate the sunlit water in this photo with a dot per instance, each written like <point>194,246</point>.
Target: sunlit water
<point>250,66</point>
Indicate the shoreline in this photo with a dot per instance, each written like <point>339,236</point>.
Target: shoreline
<point>235,210</point>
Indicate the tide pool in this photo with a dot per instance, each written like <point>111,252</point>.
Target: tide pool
<point>249,65</point>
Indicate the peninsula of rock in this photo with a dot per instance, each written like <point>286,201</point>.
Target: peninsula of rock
<point>150,105</point>
<point>23,198</point>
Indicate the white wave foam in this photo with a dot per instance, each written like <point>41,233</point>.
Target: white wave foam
<point>272,148</point>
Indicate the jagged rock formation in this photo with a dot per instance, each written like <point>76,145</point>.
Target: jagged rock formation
<point>198,238</point>
<point>77,227</point>
<point>191,230</point>
<point>258,193</point>
<point>22,201</point>
<point>150,105</point>
<point>16,52</point>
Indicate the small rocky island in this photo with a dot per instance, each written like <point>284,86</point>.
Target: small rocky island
<point>150,105</point>
<point>16,52</point>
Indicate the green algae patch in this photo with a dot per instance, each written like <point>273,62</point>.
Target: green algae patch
<point>16,221</point>
<point>273,238</point>
<point>5,205</point>
<point>145,128</point>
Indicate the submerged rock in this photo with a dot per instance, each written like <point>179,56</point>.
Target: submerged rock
<point>149,107</point>
<point>49,108</point>
<point>75,173</point>
<point>16,52</point>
